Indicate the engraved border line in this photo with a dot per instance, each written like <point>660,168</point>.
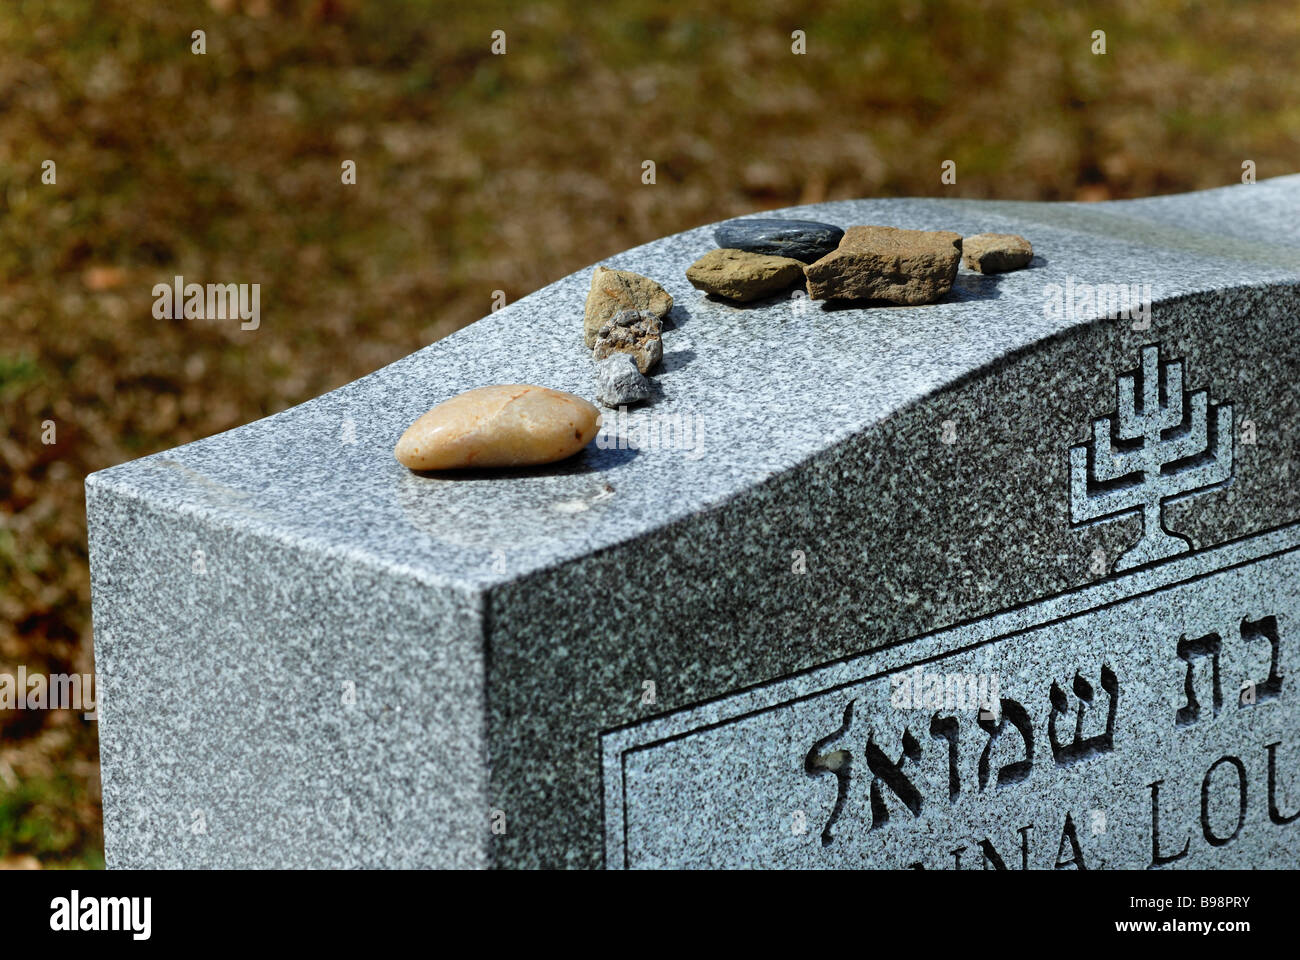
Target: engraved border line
<point>1182,559</point>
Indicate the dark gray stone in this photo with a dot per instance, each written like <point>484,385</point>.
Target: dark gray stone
<point>803,240</point>
<point>644,656</point>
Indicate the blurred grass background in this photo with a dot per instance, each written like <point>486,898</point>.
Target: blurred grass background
<point>476,173</point>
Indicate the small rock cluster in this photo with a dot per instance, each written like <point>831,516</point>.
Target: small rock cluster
<point>637,333</point>
<point>760,258</point>
<point>623,326</point>
<point>524,425</point>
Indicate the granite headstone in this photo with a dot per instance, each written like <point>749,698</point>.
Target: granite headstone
<point>1009,580</point>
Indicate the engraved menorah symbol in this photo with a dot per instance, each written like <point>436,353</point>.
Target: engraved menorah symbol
<point>1161,444</point>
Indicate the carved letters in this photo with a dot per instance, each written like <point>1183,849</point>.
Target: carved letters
<point>854,750</point>
<point>1080,748</point>
<point>1019,719</point>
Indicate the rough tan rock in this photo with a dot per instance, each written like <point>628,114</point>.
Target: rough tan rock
<point>885,263</point>
<point>743,276</point>
<point>511,425</point>
<point>996,252</point>
<point>632,331</point>
<point>613,291</point>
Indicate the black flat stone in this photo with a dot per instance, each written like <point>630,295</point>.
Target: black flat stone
<point>804,240</point>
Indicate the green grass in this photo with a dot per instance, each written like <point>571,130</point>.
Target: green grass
<point>39,819</point>
<point>17,372</point>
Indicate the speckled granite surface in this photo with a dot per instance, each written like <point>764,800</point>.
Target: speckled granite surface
<point>910,460</point>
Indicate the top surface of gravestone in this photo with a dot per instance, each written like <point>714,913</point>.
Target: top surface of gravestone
<point>758,387</point>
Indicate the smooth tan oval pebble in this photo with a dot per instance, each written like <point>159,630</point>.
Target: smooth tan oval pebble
<point>512,425</point>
